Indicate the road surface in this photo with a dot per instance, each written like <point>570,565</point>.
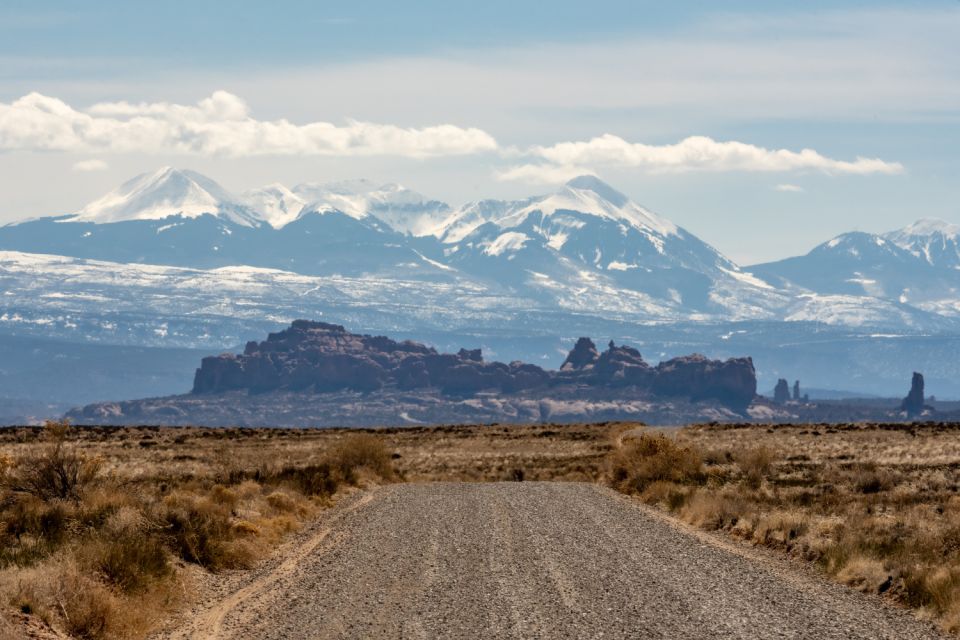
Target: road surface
<point>532,560</point>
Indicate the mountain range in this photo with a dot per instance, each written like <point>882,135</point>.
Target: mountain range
<point>585,247</point>
<point>171,259</point>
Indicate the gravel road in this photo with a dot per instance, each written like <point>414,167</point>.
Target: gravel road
<point>533,560</point>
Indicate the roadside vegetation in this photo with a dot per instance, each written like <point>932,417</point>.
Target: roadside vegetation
<point>876,507</point>
<point>109,532</point>
<point>95,546</point>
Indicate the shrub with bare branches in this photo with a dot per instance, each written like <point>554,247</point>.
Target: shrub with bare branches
<point>59,472</point>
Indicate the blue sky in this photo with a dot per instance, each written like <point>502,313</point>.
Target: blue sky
<point>502,99</point>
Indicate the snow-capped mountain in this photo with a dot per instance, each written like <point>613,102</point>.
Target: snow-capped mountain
<point>584,248</point>
<point>915,266</point>
<point>402,209</point>
<point>589,241</point>
<point>853,263</point>
<point>181,218</point>
<point>165,193</point>
<point>936,241</point>
<point>276,204</point>
<point>586,194</point>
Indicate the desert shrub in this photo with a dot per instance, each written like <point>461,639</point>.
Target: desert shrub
<point>780,528</point>
<point>864,574</point>
<point>200,531</point>
<point>131,563</point>
<point>31,528</point>
<point>57,473</point>
<point>646,459</point>
<point>666,494</point>
<point>709,510</point>
<point>715,457</point>
<point>101,504</point>
<point>935,587</point>
<point>224,497</point>
<point>361,450</point>
<point>6,464</point>
<point>281,501</point>
<point>867,478</point>
<point>755,464</point>
<point>88,608</point>
<point>311,480</point>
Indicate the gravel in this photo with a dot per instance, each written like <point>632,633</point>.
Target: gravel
<point>534,560</point>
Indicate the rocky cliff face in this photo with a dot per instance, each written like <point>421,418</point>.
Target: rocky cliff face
<point>913,403</point>
<point>781,393</point>
<point>320,357</point>
<point>321,372</point>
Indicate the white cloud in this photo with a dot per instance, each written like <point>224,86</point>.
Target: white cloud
<point>90,165</point>
<point>703,153</point>
<point>220,125</point>
<point>541,173</point>
<point>789,188</point>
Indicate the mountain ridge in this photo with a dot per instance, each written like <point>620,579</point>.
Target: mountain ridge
<point>583,247</point>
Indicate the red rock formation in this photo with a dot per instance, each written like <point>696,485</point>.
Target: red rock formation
<point>582,356</point>
<point>913,403</point>
<point>320,357</point>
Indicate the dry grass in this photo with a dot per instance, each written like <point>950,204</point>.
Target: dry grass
<point>101,528</point>
<point>96,533</point>
<point>644,460</point>
<point>96,523</point>
<point>875,506</point>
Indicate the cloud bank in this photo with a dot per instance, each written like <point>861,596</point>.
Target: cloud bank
<point>696,153</point>
<point>220,125</point>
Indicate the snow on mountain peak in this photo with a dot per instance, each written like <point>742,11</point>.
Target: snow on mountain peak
<point>935,241</point>
<point>277,204</point>
<point>927,227</point>
<point>588,194</point>
<point>166,192</point>
<point>601,188</point>
<point>404,210</point>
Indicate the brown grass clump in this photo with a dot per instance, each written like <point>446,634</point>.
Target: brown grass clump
<point>647,459</point>
<point>311,480</point>
<point>877,507</point>
<point>755,464</point>
<point>361,451</point>
<point>131,563</point>
<point>200,530</point>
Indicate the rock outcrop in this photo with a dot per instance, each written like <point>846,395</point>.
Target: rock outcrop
<point>732,382</point>
<point>781,393</point>
<point>365,379</point>
<point>583,356</point>
<point>320,357</point>
<point>913,403</point>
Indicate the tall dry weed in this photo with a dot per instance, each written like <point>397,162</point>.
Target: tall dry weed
<point>645,459</point>
<point>58,472</point>
<point>361,451</point>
